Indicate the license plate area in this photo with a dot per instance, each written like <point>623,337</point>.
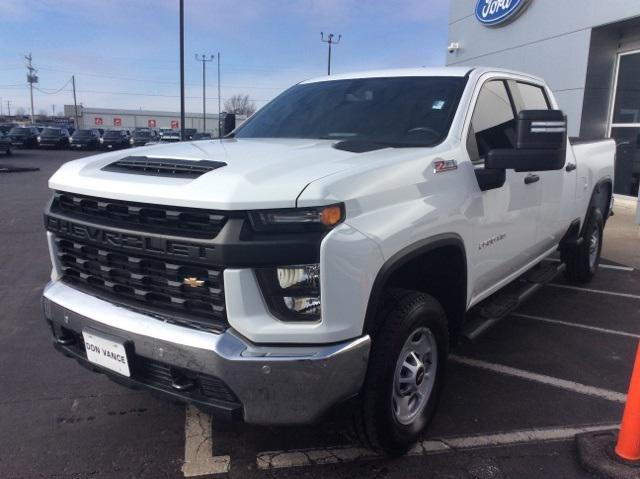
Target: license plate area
<point>106,351</point>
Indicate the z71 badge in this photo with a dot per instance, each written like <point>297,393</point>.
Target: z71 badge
<point>440,166</point>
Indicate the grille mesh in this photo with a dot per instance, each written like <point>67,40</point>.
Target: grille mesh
<point>183,222</point>
<point>145,280</point>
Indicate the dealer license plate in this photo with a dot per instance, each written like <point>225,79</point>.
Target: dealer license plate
<point>106,352</point>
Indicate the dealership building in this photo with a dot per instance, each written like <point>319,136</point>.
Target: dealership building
<point>588,51</point>
<point>112,118</point>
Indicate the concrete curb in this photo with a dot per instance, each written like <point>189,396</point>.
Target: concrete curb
<point>595,453</point>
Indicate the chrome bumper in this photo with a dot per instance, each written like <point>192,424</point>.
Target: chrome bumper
<point>274,384</point>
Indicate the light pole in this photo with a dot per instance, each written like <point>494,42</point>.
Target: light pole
<point>204,59</point>
<point>182,138</point>
<point>329,40</point>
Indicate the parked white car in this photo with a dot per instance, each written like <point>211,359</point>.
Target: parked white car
<point>328,250</point>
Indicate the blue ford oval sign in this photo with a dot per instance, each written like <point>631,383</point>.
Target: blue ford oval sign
<point>497,12</point>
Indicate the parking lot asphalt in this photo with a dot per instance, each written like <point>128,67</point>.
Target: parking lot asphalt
<point>514,399</point>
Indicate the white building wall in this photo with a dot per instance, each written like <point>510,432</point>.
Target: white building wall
<point>551,39</point>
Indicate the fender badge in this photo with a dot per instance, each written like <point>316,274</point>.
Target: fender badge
<point>440,166</point>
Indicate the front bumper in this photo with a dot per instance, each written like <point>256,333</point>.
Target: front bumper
<point>275,385</point>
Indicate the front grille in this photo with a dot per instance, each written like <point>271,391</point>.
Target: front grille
<point>166,220</point>
<point>166,167</point>
<point>147,282</point>
<point>162,375</point>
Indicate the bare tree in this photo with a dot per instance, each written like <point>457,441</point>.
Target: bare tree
<point>240,105</point>
<point>20,111</point>
<point>42,113</point>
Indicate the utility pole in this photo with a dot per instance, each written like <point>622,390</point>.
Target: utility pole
<point>53,111</point>
<point>182,70</point>
<point>219,94</point>
<point>329,39</point>
<point>75,103</point>
<point>31,79</point>
<point>204,59</point>
<point>9,108</point>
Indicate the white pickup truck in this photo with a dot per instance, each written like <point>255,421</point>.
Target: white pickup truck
<point>328,250</point>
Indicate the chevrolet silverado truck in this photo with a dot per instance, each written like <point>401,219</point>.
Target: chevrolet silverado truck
<point>328,251</point>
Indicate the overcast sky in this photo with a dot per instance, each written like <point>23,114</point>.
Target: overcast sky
<point>124,53</point>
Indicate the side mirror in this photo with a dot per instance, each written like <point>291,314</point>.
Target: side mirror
<point>228,123</point>
<point>541,139</point>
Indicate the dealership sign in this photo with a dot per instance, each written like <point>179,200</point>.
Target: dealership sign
<point>97,121</point>
<point>175,124</point>
<point>151,123</point>
<point>117,121</point>
<point>499,12</point>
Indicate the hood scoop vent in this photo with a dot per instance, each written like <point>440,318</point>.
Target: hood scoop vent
<point>166,167</point>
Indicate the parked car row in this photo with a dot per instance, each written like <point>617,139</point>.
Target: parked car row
<point>89,139</point>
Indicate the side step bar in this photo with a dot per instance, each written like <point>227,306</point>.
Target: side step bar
<point>501,304</point>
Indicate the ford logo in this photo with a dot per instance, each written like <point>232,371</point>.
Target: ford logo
<point>496,12</point>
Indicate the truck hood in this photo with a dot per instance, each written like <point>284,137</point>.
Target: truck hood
<point>259,173</point>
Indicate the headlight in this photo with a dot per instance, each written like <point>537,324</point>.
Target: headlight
<point>131,141</point>
<point>38,138</point>
<point>297,219</point>
<point>292,292</point>
<point>101,140</point>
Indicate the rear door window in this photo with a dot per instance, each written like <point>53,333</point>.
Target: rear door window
<point>532,97</point>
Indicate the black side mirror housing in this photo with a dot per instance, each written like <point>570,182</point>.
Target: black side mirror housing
<point>541,141</point>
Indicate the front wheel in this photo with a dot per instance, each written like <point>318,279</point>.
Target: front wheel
<point>582,261</point>
<point>405,372</point>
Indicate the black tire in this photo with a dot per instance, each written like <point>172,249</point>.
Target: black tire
<point>582,261</point>
<point>375,420</point>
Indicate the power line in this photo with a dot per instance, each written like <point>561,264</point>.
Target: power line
<point>53,92</point>
<point>163,82</point>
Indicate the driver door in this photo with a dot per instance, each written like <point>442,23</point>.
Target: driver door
<point>503,213</point>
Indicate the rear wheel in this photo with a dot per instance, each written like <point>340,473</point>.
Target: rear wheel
<point>582,261</point>
<point>405,372</point>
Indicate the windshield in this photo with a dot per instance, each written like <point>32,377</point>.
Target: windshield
<point>111,135</point>
<point>51,132</point>
<point>142,134</point>
<point>20,131</point>
<point>82,134</point>
<point>398,111</point>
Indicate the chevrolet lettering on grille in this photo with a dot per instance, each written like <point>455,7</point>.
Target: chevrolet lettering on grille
<point>128,241</point>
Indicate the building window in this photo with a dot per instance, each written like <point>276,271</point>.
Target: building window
<point>625,124</point>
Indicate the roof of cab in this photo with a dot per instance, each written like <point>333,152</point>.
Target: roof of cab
<point>397,72</point>
<point>453,71</point>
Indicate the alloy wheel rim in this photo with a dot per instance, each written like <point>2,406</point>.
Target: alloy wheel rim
<point>415,375</point>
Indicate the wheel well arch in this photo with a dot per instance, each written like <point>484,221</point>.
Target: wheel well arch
<point>601,196</point>
<point>436,266</point>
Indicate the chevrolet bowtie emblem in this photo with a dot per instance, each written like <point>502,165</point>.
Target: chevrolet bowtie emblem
<point>193,282</point>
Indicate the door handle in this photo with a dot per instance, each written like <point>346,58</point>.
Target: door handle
<point>570,167</point>
<point>531,179</point>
